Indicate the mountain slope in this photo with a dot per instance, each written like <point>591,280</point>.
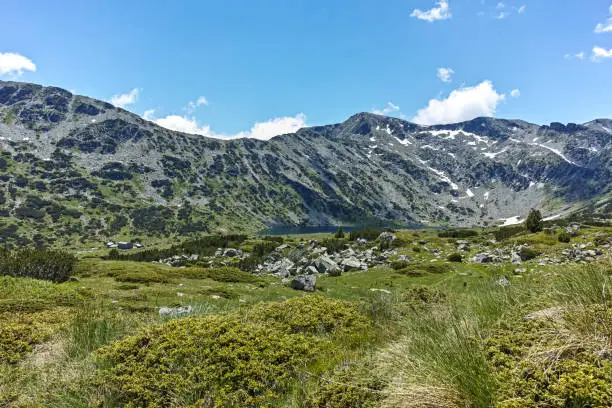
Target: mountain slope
<point>80,168</point>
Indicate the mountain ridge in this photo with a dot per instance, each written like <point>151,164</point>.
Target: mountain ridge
<point>125,174</point>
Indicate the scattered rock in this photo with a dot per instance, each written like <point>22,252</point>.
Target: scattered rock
<point>552,313</point>
<point>503,281</point>
<point>175,311</point>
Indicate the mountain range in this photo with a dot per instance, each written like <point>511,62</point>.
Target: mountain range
<point>76,168</point>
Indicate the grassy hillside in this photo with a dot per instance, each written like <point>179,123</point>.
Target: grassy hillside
<point>433,331</point>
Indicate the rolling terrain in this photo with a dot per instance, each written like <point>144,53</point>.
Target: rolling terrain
<point>75,168</point>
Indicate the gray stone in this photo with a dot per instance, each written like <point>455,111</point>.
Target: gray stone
<point>385,236</point>
<point>307,283</point>
<point>325,264</point>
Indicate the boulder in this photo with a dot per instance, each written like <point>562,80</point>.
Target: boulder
<point>310,270</point>
<point>515,258</point>
<point>385,236</point>
<point>325,264</point>
<point>231,252</point>
<point>307,283</point>
<point>352,263</point>
<point>361,241</point>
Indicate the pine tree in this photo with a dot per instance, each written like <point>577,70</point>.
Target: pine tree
<point>339,233</point>
<point>533,223</point>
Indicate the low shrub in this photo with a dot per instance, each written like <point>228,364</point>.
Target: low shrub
<point>350,385</point>
<point>527,254</point>
<point>458,233</point>
<point>564,237</point>
<point>145,277</point>
<point>425,268</point>
<point>507,232</point>
<point>210,361</point>
<point>418,297</point>
<point>334,245</point>
<point>249,264</point>
<point>229,274</point>
<point>416,248</point>
<point>397,265</point>
<point>410,272</point>
<point>312,314</point>
<point>224,292</point>
<point>455,257</point>
<point>55,266</point>
<point>33,295</point>
<point>367,233</point>
<point>20,332</point>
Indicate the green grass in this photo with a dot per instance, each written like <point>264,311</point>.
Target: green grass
<point>449,337</point>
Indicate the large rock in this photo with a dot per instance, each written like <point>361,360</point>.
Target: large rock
<point>325,264</point>
<point>385,236</point>
<point>353,263</point>
<point>307,283</point>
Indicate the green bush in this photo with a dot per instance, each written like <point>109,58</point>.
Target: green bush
<point>334,245</point>
<point>397,265</point>
<point>507,232</point>
<point>312,314</point>
<point>455,257</point>
<point>350,385</point>
<point>210,361</point>
<point>261,249</point>
<point>527,254</point>
<point>418,297</point>
<point>20,332</point>
<point>55,266</point>
<point>145,277</point>
<point>416,248</point>
<point>564,237</point>
<point>229,274</point>
<point>367,233</point>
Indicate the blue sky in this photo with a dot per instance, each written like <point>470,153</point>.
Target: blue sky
<point>271,66</point>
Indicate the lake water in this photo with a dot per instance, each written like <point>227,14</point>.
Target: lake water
<point>317,229</point>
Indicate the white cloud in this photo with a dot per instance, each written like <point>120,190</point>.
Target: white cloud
<point>191,106</point>
<point>391,107</point>
<point>183,124</point>
<point>500,5</point>
<point>462,104</point>
<point>502,15</point>
<point>260,130</point>
<point>148,114</point>
<point>515,93</point>
<point>579,55</point>
<point>605,27</point>
<point>13,65</point>
<point>601,53</point>
<point>442,12</point>
<point>274,127</point>
<point>445,74</point>
<point>121,100</point>
<point>521,9</point>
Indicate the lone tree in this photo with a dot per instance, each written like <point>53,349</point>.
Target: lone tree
<point>339,233</point>
<point>533,223</point>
